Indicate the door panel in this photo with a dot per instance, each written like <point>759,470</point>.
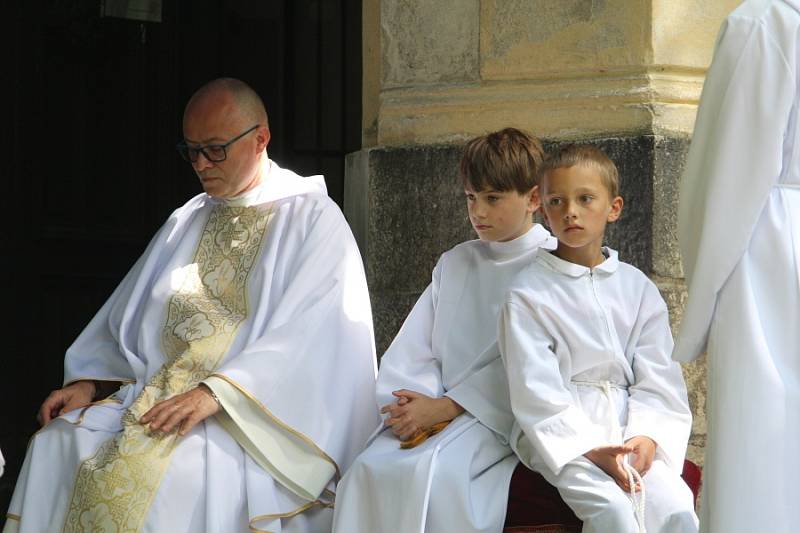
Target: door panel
<point>90,171</point>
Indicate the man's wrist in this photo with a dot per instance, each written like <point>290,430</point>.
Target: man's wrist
<point>89,385</point>
<point>208,390</point>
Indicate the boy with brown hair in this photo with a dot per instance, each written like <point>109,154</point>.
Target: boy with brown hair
<point>442,461</point>
<point>601,409</point>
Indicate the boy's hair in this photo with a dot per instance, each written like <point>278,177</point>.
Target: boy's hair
<point>587,155</point>
<point>504,160</point>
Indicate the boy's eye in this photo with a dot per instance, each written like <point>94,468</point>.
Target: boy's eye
<point>470,197</point>
<point>554,201</point>
<point>586,198</point>
<point>492,198</point>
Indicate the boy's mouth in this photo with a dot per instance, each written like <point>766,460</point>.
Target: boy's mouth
<point>573,227</point>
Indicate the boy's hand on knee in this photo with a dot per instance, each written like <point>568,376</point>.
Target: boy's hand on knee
<point>413,412</point>
<point>609,460</point>
<point>644,448</point>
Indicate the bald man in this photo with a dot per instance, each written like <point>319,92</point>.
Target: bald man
<point>229,379</point>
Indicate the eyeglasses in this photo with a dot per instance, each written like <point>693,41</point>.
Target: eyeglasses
<point>212,152</point>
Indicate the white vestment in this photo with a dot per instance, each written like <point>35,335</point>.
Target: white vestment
<point>587,354</point>
<point>457,480</point>
<point>739,231</point>
<point>263,298</point>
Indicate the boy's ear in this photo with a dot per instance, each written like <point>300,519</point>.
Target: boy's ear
<point>616,209</point>
<point>534,202</point>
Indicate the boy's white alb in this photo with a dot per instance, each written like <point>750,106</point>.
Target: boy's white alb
<point>739,231</point>
<point>587,353</point>
<point>457,480</point>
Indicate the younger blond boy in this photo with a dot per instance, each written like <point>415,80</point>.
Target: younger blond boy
<point>601,409</point>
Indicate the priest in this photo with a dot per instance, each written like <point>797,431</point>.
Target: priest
<point>227,382</point>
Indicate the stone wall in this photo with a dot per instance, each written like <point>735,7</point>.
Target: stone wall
<point>624,74</point>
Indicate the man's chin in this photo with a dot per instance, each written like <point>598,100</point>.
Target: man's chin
<point>212,186</point>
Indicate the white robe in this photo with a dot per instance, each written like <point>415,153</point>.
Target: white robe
<point>587,353</point>
<point>739,231</point>
<point>457,480</point>
<point>295,373</point>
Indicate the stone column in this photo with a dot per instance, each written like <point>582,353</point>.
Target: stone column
<point>624,74</point>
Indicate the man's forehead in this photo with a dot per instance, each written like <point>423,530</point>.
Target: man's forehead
<point>195,138</point>
<point>211,125</point>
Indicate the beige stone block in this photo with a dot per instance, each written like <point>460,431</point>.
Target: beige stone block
<point>675,94</point>
<point>429,42</point>
<point>572,107</point>
<point>567,70</point>
<point>528,39</point>
<point>684,31</point>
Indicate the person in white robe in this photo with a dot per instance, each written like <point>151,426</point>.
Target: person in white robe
<point>445,361</point>
<point>240,346</point>
<point>739,234</point>
<point>601,409</point>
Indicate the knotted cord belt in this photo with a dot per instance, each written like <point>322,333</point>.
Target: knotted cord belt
<point>634,477</point>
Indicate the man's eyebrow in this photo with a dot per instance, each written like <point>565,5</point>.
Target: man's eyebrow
<point>204,142</point>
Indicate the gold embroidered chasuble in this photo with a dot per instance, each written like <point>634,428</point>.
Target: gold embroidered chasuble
<point>114,488</point>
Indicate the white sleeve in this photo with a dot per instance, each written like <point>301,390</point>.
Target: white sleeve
<point>658,406</point>
<point>410,363</point>
<point>734,160</point>
<point>484,395</point>
<point>312,363</point>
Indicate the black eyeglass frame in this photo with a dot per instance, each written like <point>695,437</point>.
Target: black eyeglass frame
<point>186,151</point>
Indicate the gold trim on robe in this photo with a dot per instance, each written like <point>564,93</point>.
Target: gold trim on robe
<point>305,457</point>
<point>124,381</point>
<point>114,488</point>
<point>289,514</point>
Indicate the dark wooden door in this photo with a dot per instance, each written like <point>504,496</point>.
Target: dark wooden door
<point>93,110</point>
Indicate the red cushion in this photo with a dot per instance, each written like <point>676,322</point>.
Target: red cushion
<point>534,504</point>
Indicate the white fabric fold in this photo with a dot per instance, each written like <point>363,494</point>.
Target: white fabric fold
<point>272,445</point>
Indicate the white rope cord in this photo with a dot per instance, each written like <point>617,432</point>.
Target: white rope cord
<point>633,475</point>
<point>636,498</point>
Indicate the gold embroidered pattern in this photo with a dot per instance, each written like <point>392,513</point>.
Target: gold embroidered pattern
<point>114,488</point>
